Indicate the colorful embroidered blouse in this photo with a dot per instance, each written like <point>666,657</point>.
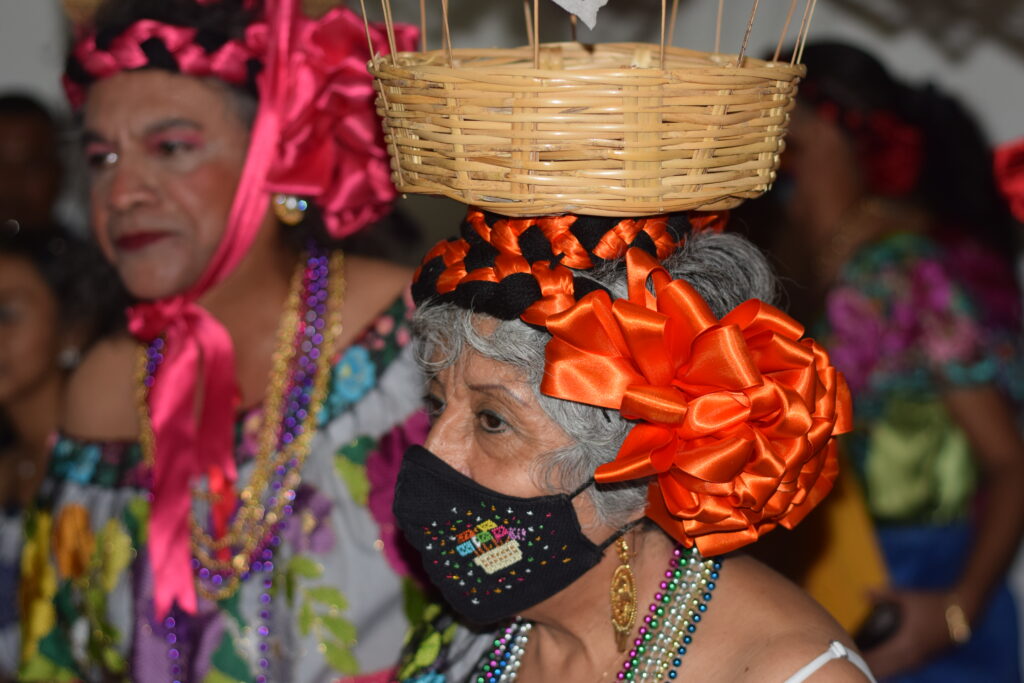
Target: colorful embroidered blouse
<point>332,603</point>
<point>907,320</point>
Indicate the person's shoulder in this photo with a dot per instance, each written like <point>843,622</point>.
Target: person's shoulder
<point>776,626</point>
<point>371,287</point>
<point>100,398</point>
<point>385,274</point>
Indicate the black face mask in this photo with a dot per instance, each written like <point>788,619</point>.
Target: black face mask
<point>492,555</point>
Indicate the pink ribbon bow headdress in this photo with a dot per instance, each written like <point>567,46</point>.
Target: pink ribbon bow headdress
<point>315,135</point>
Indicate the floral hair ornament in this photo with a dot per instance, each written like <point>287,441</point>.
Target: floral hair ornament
<point>316,135</point>
<point>735,417</point>
<point>890,149</point>
<point>1009,172</point>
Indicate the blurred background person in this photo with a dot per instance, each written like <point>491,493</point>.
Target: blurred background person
<point>57,296</point>
<point>900,253</point>
<point>30,164</point>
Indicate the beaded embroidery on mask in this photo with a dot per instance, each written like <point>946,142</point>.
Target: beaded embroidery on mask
<point>667,631</point>
<point>296,391</point>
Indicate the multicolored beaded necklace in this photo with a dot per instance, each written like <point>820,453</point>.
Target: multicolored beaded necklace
<point>298,385</point>
<point>662,640</point>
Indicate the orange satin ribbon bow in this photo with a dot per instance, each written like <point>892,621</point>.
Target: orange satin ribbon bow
<point>734,418</point>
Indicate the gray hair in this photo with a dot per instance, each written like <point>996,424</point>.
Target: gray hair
<point>725,269</point>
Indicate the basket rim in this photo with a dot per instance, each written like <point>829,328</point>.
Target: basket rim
<point>436,61</point>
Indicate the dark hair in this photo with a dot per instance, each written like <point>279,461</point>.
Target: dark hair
<point>23,104</point>
<point>89,295</point>
<point>221,20</point>
<point>956,183</point>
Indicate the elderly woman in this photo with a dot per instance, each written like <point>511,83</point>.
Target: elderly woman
<point>218,507</point>
<point>614,409</point>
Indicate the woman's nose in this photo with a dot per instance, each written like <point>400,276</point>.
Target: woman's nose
<point>448,442</point>
<point>128,185</point>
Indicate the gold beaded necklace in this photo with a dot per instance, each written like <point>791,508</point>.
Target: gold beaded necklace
<point>253,521</point>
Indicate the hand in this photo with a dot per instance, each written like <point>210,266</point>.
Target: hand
<point>922,633</point>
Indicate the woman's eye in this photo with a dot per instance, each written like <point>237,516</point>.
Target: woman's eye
<point>172,146</point>
<point>491,422</point>
<point>99,159</point>
<point>434,405</point>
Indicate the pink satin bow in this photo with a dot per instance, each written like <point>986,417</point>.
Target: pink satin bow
<point>195,342</point>
<point>314,134</point>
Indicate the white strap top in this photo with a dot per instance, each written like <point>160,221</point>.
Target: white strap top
<point>836,650</point>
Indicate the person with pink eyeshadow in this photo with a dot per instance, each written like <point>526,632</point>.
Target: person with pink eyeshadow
<point>217,507</point>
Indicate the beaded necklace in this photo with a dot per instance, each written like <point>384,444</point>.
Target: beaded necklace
<point>662,640</point>
<point>299,377</point>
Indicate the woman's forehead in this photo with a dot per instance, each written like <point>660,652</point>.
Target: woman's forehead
<point>471,367</point>
<point>143,99</point>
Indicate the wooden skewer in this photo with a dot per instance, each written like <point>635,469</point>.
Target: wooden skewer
<point>423,25</point>
<point>718,28</point>
<point>806,32</point>
<point>672,23</point>
<point>389,28</point>
<point>529,22</point>
<point>536,34</point>
<point>746,35</point>
<point>785,30</point>
<point>794,58</point>
<point>446,35</point>
<point>663,8</point>
<point>366,25</point>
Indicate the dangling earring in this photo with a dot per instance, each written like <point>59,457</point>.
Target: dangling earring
<point>290,209</point>
<point>623,594</point>
<point>69,357</point>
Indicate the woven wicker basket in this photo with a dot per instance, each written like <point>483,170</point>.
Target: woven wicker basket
<point>613,129</point>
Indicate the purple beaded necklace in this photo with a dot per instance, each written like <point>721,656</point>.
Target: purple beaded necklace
<point>305,341</point>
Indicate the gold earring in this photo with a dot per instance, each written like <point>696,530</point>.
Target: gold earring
<point>290,209</point>
<point>623,594</point>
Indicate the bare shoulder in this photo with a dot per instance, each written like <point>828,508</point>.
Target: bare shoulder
<point>767,628</point>
<point>371,286</point>
<point>100,400</point>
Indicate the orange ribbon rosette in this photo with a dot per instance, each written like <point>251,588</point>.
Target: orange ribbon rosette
<point>734,417</point>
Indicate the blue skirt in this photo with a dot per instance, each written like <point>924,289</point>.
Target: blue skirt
<point>931,558</point>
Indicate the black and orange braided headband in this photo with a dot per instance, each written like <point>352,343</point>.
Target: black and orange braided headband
<point>734,418</point>
<point>530,268</point>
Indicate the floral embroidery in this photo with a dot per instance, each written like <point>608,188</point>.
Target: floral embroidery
<point>70,630</point>
<point>351,378</point>
<point>427,650</point>
<point>73,541</point>
<point>38,585</point>
<point>320,610</point>
<point>897,321</point>
<point>81,466</point>
<point>908,317</point>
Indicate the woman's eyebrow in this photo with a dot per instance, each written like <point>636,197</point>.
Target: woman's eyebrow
<point>154,128</point>
<point>172,122</point>
<point>496,388</point>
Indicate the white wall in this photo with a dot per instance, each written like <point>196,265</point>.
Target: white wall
<point>989,76</point>
<point>32,48</point>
